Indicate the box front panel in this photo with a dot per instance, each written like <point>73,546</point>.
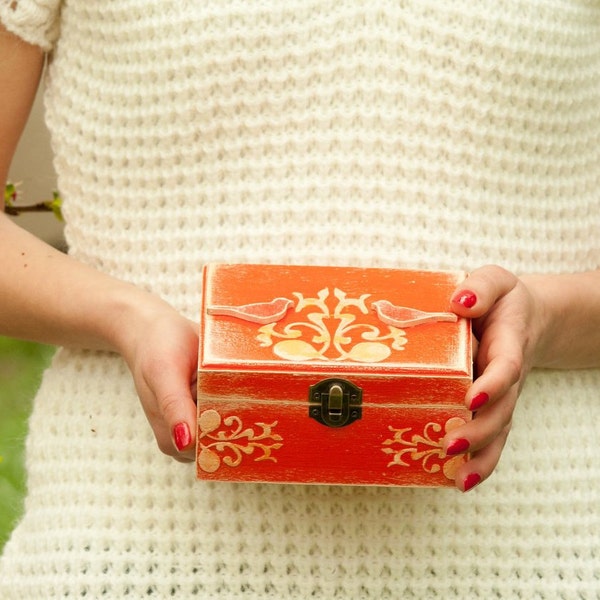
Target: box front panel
<point>278,442</point>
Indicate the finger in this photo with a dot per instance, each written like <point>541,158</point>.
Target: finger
<point>481,290</point>
<point>482,463</point>
<point>482,430</point>
<point>499,376</point>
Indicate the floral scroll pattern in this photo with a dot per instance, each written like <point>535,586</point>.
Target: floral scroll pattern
<point>332,331</point>
<point>425,448</point>
<point>231,443</point>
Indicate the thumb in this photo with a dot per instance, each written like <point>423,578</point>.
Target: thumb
<point>171,408</point>
<point>481,290</point>
<point>179,415</point>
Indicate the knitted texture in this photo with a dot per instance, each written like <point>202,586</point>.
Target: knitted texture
<point>423,134</point>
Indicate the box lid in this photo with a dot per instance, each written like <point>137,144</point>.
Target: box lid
<point>321,319</point>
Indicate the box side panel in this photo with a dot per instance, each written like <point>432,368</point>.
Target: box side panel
<point>278,442</point>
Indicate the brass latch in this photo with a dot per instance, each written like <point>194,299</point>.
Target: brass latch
<point>335,402</point>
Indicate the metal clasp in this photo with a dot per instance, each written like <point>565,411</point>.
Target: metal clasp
<point>335,402</point>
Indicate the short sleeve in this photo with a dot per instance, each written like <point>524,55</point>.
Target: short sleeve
<point>35,21</point>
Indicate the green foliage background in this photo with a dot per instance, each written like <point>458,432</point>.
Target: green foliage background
<point>21,367</point>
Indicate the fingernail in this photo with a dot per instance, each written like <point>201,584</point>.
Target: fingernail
<point>470,481</point>
<point>479,400</point>
<point>457,446</point>
<point>182,436</point>
<point>466,299</point>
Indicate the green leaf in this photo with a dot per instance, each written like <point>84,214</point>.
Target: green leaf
<point>10,194</point>
<point>55,205</point>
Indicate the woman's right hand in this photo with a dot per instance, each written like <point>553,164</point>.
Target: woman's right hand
<point>162,354</point>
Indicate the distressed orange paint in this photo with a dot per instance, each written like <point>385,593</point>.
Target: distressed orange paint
<point>330,375</point>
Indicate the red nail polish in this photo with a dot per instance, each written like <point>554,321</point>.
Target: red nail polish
<point>479,400</point>
<point>466,299</point>
<point>182,436</point>
<point>457,446</point>
<point>470,481</point>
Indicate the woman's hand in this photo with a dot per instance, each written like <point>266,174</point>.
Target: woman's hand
<point>508,323</point>
<point>519,323</point>
<point>162,354</point>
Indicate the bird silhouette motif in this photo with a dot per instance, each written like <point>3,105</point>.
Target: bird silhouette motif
<point>258,312</point>
<point>401,316</point>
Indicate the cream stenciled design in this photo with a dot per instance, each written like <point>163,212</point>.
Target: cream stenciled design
<point>332,329</point>
<point>234,440</point>
<point>425,448</point>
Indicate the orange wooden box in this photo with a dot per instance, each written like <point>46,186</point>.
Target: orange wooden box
<point>330,375</point>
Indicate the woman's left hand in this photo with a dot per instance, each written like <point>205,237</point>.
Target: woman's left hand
<point>506,327</point>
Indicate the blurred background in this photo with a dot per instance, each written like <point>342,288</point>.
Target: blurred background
<point>22,363</point>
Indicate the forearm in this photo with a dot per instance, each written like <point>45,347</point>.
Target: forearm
<point>569,318</point>
<point>47,296</point>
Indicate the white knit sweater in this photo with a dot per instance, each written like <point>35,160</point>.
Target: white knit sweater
<point>421,133</point>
